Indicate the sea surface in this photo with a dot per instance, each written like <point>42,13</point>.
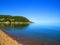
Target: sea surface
<point>33,34</point>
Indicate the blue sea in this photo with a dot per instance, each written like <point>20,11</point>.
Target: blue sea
<point>34,34</point>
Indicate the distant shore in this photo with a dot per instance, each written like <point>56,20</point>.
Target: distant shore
<point>15,22</point>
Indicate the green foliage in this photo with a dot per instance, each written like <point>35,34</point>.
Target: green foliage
<point>4,18</point>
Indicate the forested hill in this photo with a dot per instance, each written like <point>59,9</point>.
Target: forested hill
<point>4,18</point>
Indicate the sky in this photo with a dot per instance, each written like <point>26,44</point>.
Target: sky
<point>38,11</point>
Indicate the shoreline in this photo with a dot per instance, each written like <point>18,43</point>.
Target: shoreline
<point>7,40</point>
<point>15,22</point>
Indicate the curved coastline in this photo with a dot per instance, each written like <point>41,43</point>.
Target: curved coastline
<point>7,40</point>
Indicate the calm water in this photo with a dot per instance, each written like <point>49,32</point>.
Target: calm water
<point>33,34</point>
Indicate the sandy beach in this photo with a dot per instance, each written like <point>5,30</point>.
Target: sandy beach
<point>7,40</point>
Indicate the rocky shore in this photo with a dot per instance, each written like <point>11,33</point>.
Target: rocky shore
<point>15,22</point>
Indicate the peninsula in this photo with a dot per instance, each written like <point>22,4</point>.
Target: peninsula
<point>14,19</point>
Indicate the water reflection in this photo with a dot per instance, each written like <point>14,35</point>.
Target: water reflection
<point>17,26</point>
<point>34,34</point>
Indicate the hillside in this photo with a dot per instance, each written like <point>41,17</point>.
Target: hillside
<point>5,18</point>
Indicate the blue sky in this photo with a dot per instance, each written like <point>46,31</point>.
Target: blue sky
<point>38,11</point>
